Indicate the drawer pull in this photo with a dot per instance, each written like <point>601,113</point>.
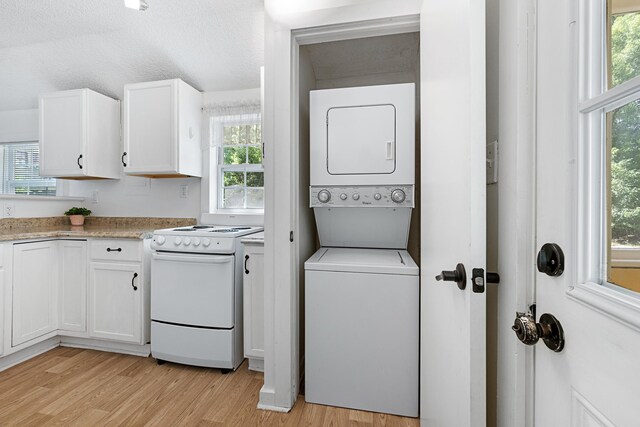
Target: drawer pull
<point>246,258</point>
<point>114,250</point>
<point>133,285</point>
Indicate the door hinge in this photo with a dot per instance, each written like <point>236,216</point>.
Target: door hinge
<point>291,236</point>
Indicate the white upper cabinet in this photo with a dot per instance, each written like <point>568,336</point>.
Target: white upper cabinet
<point>79,135</point>
<point>162,127</point>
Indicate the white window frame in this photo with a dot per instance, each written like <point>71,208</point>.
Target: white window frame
<point>58,182</point>
<point>593,102</point>
<point>218,127</point>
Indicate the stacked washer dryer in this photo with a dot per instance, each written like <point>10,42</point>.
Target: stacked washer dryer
<point>361,286</point>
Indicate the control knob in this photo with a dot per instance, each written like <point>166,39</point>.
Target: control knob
<point>343,196</point>
<point>160,240</point>
<point>187,241</point>
<point>398,196</point>
<point>324,196</point>
<point>355,196</point>
<point>377,196</point>
<point>206,242</point>
<point>196,242</point>
<point>177,241</point>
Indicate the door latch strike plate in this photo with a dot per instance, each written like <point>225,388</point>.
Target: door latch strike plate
<point>477,280</point>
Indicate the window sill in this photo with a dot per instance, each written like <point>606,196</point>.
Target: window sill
<point>614,302</point>
<point>49,198</point>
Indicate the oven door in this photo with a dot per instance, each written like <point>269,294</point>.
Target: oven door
<point>192,289</point>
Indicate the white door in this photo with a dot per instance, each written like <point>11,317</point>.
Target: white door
<point>63,132</point>
<point>361,140</point>
<point>35,287</point>
<point>453,320</point>
<point>115,301</point>
<point>594,380</point>
<point>73,286</point>
<point>150,133</point>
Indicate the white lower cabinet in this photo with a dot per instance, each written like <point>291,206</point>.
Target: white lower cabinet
<point>73,287</point>
<point>253,290</point>
<point>35,288</point>
<point>115,301</point>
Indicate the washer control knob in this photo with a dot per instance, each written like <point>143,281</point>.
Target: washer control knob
<point>343,196</point>
<point>355,196</point>
<point>324,196</point>
<point>177,241</point>
<point>196,242</point>
<point>206,242</point>
<point>160,240</point>
<point>187,241</point>
<point>398,196</point>
<point>377,196</point>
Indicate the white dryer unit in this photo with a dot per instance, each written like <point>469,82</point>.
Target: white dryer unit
<point>363,159</point>
<point>361,330</point>
<point>363,135</point>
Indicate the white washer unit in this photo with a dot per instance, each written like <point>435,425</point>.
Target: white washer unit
<point>362,287</point>
<point>363,158</point>
<point>361,317</point>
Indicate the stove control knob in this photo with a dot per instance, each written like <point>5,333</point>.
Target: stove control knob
<point>355,196</point>
<point>187,241</point>
<point>377,196</point>
<point>196,242</point>
<point>177,241</point>
<point>324,196</point>
<point>343,196</point>
<point>398,196</point>
<point>206,242</point>
<point>160,240</point>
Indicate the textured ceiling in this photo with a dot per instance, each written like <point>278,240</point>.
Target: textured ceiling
<point>372,55</point>
<point>49,45</point>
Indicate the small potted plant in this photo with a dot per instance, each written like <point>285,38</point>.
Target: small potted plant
<point>76,215</point>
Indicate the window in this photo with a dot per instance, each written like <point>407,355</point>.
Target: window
<point>21,170</point>
<point>240,170</point>
<point>621,119</point>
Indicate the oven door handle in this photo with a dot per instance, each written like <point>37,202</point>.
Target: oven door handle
<point>205,259</point>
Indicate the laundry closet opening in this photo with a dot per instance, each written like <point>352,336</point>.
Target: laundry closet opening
<point>371,61</point>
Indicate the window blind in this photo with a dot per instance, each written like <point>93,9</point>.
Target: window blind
<point>21,171</point>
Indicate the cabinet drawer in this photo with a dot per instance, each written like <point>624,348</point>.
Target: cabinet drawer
<point>116,250</point>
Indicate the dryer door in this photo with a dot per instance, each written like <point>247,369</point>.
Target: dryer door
<point>361,140</point>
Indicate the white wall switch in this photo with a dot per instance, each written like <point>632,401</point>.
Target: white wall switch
<point>94,196</point>
<point>492,162</point>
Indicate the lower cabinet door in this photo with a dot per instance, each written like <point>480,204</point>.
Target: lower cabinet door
<point>115,295</point>
<point>35,287</point>
<point>253,301</point>
<point>73,287</point>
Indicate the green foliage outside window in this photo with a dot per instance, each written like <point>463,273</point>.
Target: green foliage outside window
<point>625,134</point>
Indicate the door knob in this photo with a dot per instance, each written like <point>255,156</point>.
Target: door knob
<point>548,328</point>
<point>551,259</point>
<point>459,275</point>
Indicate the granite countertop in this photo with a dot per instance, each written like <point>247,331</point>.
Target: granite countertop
<point>254,238</point>
<point>97,227</point>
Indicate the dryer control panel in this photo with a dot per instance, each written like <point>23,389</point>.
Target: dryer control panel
<point>378,196</point>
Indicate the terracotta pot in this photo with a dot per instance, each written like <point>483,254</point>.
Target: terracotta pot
<point>76,219</point>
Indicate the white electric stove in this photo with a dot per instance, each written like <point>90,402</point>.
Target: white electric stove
<point>196,295</point>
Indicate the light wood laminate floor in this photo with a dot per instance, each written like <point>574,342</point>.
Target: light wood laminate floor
<point>68,386</point>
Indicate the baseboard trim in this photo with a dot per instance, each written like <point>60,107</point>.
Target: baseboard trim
<point>113,347</point>
<point>27,353</point>
<point>272,408</point>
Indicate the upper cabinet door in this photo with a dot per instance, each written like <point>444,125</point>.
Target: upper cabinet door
<point>79,135</point>
<point>162,129</point>
<point>62,133</point>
